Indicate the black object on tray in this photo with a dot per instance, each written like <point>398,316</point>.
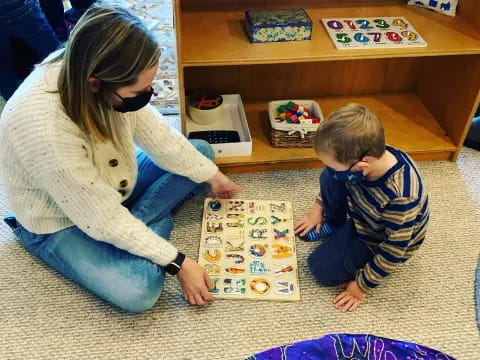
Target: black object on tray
<point>216,136</point>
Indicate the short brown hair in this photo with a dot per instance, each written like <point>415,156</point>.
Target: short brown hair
<point>351,132</point>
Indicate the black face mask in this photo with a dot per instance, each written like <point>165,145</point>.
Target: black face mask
<point>134,103</point>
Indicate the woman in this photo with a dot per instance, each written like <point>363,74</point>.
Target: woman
<point>68,164</point>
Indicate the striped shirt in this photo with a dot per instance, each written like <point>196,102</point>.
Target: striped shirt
<point>390,215</point>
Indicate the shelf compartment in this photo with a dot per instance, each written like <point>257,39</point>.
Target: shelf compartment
<point>408,125</point>
<point>218,37</point>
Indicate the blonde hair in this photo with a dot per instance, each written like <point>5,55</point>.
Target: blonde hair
<point>351,132</point>
<point>112,45</point>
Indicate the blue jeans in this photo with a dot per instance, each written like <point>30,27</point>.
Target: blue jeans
<point>337,259</point>
<point>128,281</point>
<point>22,23</point>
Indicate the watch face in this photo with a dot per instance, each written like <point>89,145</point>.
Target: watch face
<point>172,268</point>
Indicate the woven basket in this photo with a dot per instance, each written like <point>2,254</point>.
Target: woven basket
<point>284,135</point>
<point>282,139</point>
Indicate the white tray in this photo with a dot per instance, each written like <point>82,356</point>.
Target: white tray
<point>233,119</point>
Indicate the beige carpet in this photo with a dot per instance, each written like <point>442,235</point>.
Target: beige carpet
<point>428,301</point>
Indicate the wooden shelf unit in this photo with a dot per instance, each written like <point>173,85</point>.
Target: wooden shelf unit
<point>424,96</point>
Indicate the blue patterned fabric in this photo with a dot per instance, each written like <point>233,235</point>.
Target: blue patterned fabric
<point>351,347</point>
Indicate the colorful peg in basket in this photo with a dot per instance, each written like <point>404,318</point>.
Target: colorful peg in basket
<point>293,113</point>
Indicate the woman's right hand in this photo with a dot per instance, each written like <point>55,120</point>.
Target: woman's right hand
<point>312,219</point>
<point>195,283</point>
<point>222,186</point>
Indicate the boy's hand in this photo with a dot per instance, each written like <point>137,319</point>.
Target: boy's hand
<point>312,219</point>
<point>350,298</point>
<point>222,186</point>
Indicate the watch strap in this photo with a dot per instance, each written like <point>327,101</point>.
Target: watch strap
<point>174,267</point>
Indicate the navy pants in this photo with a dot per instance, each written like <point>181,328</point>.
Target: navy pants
<point>337,259</point>
<point>29,31</point>
<point>26,37</point>
<point>54,12</point>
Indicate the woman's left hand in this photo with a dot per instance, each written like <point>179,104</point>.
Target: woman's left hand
<point>222,186</point>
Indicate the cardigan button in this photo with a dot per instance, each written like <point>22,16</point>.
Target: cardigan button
<point>113,162</point>
<point>122,192</point>
<point>123,183</point>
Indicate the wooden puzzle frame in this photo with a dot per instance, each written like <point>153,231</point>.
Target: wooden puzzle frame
<point>248,249</point>
<point>372,33</point>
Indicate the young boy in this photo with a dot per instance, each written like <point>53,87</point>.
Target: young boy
<point>379,188</point>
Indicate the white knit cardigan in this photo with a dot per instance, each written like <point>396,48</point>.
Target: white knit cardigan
<point>55,177</point>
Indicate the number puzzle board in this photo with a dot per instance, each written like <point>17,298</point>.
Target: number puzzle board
<point>248,249</point>
<point>372,33</point>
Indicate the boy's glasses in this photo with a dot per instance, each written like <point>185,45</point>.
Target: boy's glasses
<point>356,162</point>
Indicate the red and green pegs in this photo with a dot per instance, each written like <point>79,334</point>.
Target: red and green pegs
<point>293,113</point>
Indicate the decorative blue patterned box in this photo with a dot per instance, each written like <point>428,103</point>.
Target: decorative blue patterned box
<point>278,25</point>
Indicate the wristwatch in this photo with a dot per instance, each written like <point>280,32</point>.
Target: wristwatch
<point>174,267</point>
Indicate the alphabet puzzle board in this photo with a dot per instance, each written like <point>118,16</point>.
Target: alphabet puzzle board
<point>372,33</point>
<point>248,249</point>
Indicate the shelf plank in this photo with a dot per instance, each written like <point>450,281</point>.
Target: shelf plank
<point>218,38</point>
<point>408,124</point>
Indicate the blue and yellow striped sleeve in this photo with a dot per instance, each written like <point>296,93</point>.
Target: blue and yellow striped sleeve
<point>404,231</point>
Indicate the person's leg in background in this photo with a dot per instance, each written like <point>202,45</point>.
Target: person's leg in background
<point>26,37</point>
<point>54,12</point>
<point>78,9</point>
<point>26,20</point>
<point>81,4</point>
<point>8,74</point>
